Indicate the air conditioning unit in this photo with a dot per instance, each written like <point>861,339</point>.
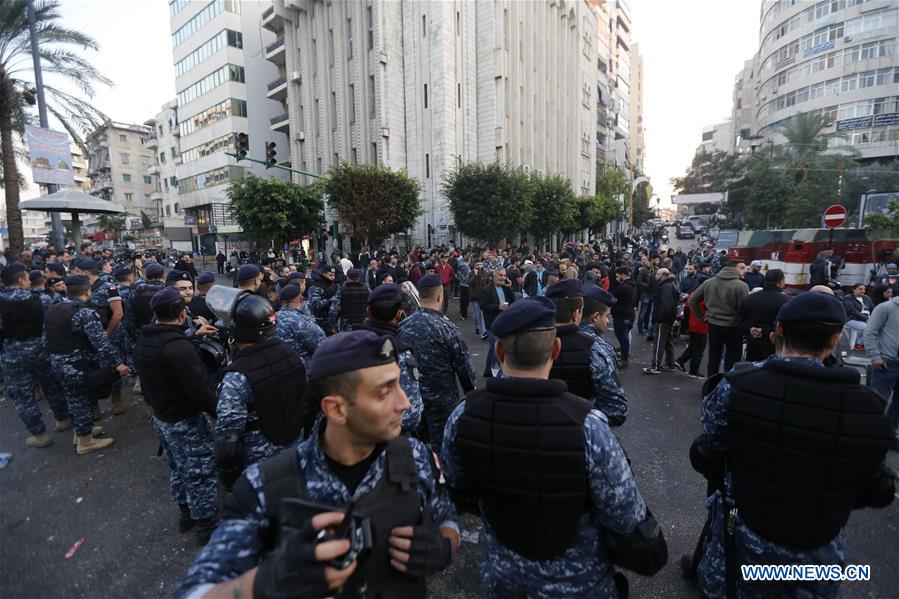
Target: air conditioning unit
<point>525,168</point>
<point>296,77</point>
<point>300,136</point>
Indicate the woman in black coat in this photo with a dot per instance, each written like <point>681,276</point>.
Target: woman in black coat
<point>858,308</point>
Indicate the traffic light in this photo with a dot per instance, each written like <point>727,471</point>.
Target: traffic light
<point>242,143</point>
<point>270,154</point>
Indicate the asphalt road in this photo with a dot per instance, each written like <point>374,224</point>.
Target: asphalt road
<point>118,502</point>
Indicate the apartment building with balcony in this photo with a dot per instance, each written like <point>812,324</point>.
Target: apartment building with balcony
<point>117,166</point>
<point>425,86</point>
<point>636,142</point>
<point>222,69</point>
<point>835,57</point>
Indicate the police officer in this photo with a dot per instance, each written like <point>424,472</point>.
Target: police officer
<point>24,357</point>
<point>54,289</point>
<point>595,319</point>
<point>319,297</point>
<point>797,447</point>
<point>293,327</point>
<point>581,367</point>
<point>385,311</point>
<point>249,277</point>
<point>82,358</point>
<point>197,305</point>
<point>138,312</point>
<point>260,409</point>
<point>173,381</point>
<point>551,481</point>
<point>349,302</point>
<point>355,457</point>
<point>441,354</point>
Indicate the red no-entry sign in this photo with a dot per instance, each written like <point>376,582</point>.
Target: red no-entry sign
<point>835,216</point>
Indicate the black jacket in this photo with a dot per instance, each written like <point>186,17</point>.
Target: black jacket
<point>490,302</point>
<point>665,302</point>
<point>372,279</point>
<point>854,309</point>
<point>173,377</point>
<point>186,266</point>
<point>760,309</point>
<point>626,293</point>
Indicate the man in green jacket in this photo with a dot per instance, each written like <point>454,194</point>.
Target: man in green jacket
<point>722,294</point>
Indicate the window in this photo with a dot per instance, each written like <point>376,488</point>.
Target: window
<point>129,197</point>
<point>314,58</point>
<point>427,166</point>
<point>353,156</point>
<point>335,159</point>
<point>333,115</point>
<point>352,104</point>
<point>229,72</point>
<point>458,95</point>
<point>168,210</point>
<point>316,119</point>
<point>424,26</point>
<point>226,37</point>
<point>370,23</point>
<point>176,6</point>
<point>216,145</point>
<point>371,96</point>
<point>123,139</point>
<point>125,158</point>
<point>162,157</point>
<point>174,180</point>
<point>209,12</point>
<point>426,95</point>
<point>349,38</point>
<point>177,208</point>
<point>223,110</point>
<point>373,153</point>
<point>211,178</point>
<point>458,23</point>
<point>165,184</point>
<point>866,79</point>
<point>148,180</point>
<point>126,178</point>
<point>160,131</point>
<point>331,47</point>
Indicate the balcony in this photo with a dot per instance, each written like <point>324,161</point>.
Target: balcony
<point>280,123</point>
<point>156,196</point>
<point>151,143</point>
<point>276,53</point>
<point>277,89</point>
<point>101,186</point>
<point>272,21</point>
<point>153,169</point>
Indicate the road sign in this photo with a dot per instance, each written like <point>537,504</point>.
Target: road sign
<point>835,216</point>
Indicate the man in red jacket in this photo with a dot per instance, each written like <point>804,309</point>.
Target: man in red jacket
<point>447,276</point>
<point>699,331</point>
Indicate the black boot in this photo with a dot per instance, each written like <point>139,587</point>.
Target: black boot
<point>205,529</point>
<point>185,522</point>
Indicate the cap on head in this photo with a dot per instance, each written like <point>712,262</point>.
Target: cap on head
<point>205,278</point>
<point>813,306</point>
<point>154,270</point>
<point>429,281</point>
<point>296,276</point>
<point>566,288</point>
<point>12,270</point>
<point>88,265</point>
<point>601,295</point>
<point>77,280</point>
<point>347,352</point>
<point>57,268</point>
<point>289,292</point>
<point>386,291</point>
<point>353,273</point>
<point>535,313</point>
<point>121,271</point>
<point>177,275</point>
<point>36,276</point>
<point>247,272</point>
<point>166,295</point>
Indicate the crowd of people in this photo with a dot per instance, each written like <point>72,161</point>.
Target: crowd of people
<point>339,407</point>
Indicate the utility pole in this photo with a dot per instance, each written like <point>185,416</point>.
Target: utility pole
<point>55,220</point>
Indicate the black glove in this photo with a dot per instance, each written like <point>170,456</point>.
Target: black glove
<point>229,456</point>
<point>431,552</point>
<point>291,571</point>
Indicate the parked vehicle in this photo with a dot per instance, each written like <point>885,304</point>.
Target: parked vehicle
<point>685,232</point>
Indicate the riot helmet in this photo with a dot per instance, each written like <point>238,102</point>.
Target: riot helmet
<point>254,318</point>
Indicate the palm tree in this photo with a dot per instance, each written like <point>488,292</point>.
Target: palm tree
<point>803,132</point>
<point>17,90</point>
<point>111,224</point>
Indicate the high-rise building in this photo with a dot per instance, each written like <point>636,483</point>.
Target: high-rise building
<point>425,86</point>
<point>717,138</point>
<point>742,107</point>
<point>221,73</point>
<point>836,57</point>
<point>79,168</point>
<point>635,139</point>
<point>117,165</point>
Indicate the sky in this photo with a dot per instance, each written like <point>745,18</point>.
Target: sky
<point>692,52</point>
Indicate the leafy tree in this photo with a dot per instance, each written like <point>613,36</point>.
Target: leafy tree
<point>803,133</point>
<point>489,201</point>
<point>595,212</point>
<point>373,200</point>
<point>111,224</point>
<point>765,194</point>
<point>272,209</point>
<point>554,206</point>
<point>145,221</point>
<point>884,222</point>
<point>17,92</point>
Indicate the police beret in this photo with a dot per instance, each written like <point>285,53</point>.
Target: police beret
<point>36,275</point>
<point>101,263</point>
<point>87,264</point>
<point>205,278</point>
<point>178,275</point>
<point>386,291</point>
<point>566,288</point>
<point>154,270</point>
<point>346,352</point>
<point>53,280</point>
<point>289,292</point>
<point>535,313</point>
<point>429,281</point>
<point>324,269</point>
<point>120,271</point>
<point>296,275</point>
<point>600,295</point>
<point>354,273</point>
<point>12,269</point>
<point>813,306</point>
<point>166,295</point>
<point>247,271</point>
<point>57,268</point>
<point>77,280</point>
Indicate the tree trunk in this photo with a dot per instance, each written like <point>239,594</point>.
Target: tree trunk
<point>11,182</point>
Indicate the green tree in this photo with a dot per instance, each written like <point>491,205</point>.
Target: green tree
<point>111,224</point>
<point>803,133</point>
<point>145,221</point>
<point>489,201</point>
<point>765,193</point>
<point>884,222</point>
<point>272,209</point>
<point>595,212</point>
<point>59,58</point>
<point>373,200</point>
<point>553,206</point>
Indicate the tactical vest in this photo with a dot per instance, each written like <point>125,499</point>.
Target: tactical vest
<point>573,363</point>
<point>353,303</point>
<point>277,378</point>
<point>803,442</point>
<point>61,339</point>
<point>22,319</point>
<point>522,445</point>
<point>160,387</point>
<point>143,313</point>
<point>104,312</point>
<point>391,503</point>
